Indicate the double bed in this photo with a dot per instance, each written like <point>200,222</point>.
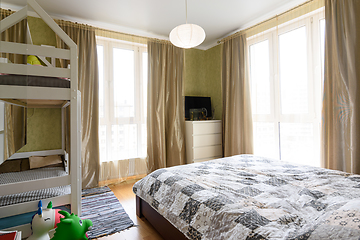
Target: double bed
<point>250,197</point>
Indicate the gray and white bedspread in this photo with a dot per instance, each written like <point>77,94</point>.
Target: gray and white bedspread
<point>13,177</point>
<point>249,197</point>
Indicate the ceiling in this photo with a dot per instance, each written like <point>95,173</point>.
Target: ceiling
<point>156,18</point>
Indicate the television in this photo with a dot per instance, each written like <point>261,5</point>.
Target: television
<point>198,102</point>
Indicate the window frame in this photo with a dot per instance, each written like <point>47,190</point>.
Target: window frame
<point>108,118</point>
<point>314,67</point>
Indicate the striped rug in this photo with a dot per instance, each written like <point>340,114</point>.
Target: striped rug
<point>105,211</point>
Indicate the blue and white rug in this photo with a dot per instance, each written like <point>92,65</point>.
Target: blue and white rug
<point>101,206</point>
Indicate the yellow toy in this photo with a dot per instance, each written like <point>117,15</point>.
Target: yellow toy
<point>33,60</point>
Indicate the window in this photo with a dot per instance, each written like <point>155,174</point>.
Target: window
<point>286,79</point>
<point>122,99</point>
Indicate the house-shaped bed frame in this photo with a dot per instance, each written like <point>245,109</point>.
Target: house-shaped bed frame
<point>44,96</point>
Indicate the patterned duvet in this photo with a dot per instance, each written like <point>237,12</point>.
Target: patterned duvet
<point>249,197</point>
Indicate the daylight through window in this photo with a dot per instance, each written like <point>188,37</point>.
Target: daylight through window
<point>286,87</point>
<point>122,99</point>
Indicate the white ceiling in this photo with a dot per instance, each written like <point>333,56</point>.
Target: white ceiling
<point>156,18</point>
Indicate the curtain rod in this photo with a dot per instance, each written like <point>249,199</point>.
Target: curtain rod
<point>267,20</point>
<point>116,32</point>
<point>153,39</point>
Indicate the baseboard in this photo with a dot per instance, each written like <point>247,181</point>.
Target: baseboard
<point>121,180</point>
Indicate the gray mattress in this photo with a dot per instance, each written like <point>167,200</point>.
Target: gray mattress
<point>38,81</point>
<point>13,177</point>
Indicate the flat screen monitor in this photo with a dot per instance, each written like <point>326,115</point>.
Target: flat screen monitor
<point>197,102</point>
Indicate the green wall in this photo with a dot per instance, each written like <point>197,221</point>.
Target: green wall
<point>44,129</point>
<point>203,76</point>
<point>44,124</point>
<point>41,33</point>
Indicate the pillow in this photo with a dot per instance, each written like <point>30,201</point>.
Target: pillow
<point>44,161</point>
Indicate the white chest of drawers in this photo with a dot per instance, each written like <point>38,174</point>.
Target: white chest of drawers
<point>203,140</point>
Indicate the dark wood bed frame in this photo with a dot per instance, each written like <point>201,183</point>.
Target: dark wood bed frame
<point>162,226</point>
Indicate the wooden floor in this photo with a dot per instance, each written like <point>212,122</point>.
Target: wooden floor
<point>142,230</point>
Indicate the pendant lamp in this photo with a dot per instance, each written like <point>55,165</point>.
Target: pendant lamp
<point>187,35</point>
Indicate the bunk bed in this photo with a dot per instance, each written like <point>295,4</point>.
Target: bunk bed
<point>42,86</point>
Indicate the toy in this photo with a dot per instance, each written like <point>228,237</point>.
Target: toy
<point>43,221</point>
<point>33,60</point>
<point>71,227</point>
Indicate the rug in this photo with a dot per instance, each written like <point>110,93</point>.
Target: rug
<point>101,206</point>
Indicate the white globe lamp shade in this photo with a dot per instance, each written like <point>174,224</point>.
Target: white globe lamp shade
<point>187,35</point>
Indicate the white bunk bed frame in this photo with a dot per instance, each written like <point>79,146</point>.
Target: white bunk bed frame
<point>71,95</point>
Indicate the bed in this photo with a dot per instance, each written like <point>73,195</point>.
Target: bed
<point>39,81</point>
<point>31,175</point>
<point>41,86</point>
<point>250,197</point>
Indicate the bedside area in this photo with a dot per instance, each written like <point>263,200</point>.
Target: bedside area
<point>203,140</point>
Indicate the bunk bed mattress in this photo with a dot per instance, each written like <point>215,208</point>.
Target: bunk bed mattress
<point>39,81</point>
<point>249,197</point>
<point>35,174</point>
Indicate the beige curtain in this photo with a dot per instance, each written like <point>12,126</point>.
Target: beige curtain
<point>118,171</point>
<point>15,116</point>
<point>341,104</point>
<point>16,33</point>
<point>14,129</point>
<point>237,118</point>
<point>165,111</point>
<point>84,37</point>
